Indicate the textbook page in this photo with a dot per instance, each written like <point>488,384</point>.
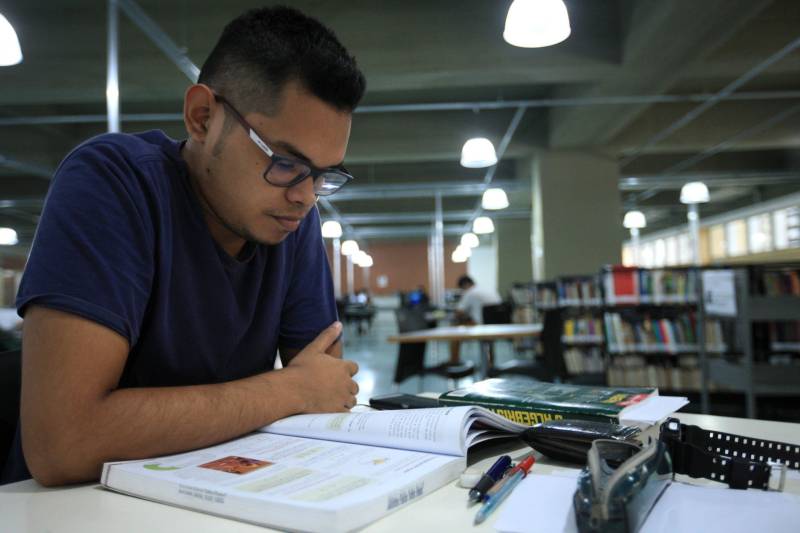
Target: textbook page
<point>436,430</point>
<point>288,482</point>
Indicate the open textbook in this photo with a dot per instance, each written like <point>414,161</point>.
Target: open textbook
<point>318,472</point>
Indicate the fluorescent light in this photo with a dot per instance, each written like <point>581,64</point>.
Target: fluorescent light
<point>458,257</point>
<point>470,239</point>
<point>634,220</point>
<point>694,192</point>
<point>478,153</point>
<point>494,198</point>
<point>331,229</point>
<point>536,23</point>
<point>483,225</point>
<point>8,237</point>
<point>466,251</point>
<point>349,247</point>
<point>10,51</point>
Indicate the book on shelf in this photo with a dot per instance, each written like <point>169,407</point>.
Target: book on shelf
<point>317,472</point>
<point>546,295</point>
<point>582,330</point>
<point>778,282</point>
<point>578,291</point>
<point>635,370</point>
<point>632,285</point>
<point>660,335</point>
<point>531,402</point>
<point>584,360</point>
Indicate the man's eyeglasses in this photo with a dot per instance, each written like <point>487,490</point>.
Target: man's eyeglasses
<point>287,172</point>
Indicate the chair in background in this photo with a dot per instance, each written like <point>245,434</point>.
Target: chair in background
<point>526,367</point>
<point>411,356</point>
<point>10,386</point>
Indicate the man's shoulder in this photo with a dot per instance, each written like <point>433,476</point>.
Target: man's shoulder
<point>152,144</point>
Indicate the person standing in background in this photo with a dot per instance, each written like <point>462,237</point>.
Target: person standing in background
<point>469,310</point>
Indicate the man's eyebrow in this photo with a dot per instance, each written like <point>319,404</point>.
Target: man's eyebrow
<point>292,150</point>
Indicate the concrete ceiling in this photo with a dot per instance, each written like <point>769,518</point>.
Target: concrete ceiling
<point>422,52</point>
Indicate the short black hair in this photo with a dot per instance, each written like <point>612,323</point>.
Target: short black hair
<point>465,280</point>
<point>263,49</point>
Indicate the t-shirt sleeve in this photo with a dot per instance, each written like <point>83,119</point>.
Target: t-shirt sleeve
<point>310,305</point>
<point>93,250</point>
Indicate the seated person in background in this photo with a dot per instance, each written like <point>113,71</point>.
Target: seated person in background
<point>469,310</point>
<point>165,276</point>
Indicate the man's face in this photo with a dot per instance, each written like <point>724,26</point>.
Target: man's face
<point>242,204</point>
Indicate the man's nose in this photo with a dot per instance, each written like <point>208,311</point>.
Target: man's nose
<point>303,192</point>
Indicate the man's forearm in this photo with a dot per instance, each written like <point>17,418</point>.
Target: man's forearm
<point>145,422</point>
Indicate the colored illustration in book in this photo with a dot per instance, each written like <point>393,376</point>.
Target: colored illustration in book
<point>234,464</point>
<point>159,468</point>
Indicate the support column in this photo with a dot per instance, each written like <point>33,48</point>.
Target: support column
<point>513,252</point>
<point>575,224</point>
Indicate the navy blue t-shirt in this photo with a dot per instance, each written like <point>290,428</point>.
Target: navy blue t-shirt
<point>122,241</point>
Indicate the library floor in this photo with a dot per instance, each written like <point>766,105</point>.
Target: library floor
<point>376,357</point>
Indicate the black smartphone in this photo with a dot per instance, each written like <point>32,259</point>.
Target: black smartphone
<point>398,400</point>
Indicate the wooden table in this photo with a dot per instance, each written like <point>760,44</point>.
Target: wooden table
<point>486,334</point>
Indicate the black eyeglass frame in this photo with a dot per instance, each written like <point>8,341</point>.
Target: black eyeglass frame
<point>274,158</point>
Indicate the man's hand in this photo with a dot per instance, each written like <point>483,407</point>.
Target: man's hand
<point>325,382</point>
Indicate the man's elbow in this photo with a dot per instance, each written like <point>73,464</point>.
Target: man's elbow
<point>54,462</point>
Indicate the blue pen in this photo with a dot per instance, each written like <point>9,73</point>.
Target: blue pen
<point>488,479</point>
<point>521,470</point>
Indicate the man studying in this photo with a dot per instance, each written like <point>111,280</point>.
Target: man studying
<point>166,276</point>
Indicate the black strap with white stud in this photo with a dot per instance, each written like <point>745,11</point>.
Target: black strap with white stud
<point>740,462</point>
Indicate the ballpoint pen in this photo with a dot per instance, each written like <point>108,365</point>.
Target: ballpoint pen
<point>488,479</point>
<point>521,470</point>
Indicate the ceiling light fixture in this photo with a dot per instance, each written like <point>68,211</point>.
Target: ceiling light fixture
<point>494,199</point>
<point>470,239</point>
<point>8,237</point>
<point>457,256</point>
<point>466,251</point>
<point>694,192</point>
<point>634,220</point>
<point>366,261</point>
<point>483,225</point>
<point>349,247</point>
<point>478,152</point>
<point>536,23</point>
<point>10,51</point>
<point>331,229</point>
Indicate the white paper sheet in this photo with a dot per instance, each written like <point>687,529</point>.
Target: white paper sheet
<point>652,410</point>
<point>543,503</point>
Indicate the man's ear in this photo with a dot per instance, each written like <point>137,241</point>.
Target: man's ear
<point>198,108</point>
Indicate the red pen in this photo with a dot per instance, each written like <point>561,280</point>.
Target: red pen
<point>525,465</point>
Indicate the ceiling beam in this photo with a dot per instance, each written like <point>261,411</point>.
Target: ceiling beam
<point>428,216</point>
<point>652,35</point>
<point>420,190</point>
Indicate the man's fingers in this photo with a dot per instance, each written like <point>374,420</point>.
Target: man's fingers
<point>326,338</point>
<point>352,367</point>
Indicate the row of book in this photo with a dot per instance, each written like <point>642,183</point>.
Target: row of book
<point>578,292</point>
<point>779,282</point>
<point>582,330</point>
<point>662,335</point>
<point>636,371</point>
<point>626,285</point>
<point>584,360</point>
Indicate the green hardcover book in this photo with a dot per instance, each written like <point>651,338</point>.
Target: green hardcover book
<point>531,402</point>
